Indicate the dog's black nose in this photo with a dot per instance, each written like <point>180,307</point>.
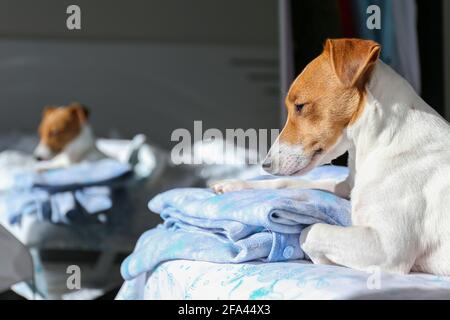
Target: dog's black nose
<point>267,164</point>
<point>38,158</point>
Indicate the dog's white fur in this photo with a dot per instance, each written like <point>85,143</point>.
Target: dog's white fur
<point>81,149</point>
<point>399,161</point>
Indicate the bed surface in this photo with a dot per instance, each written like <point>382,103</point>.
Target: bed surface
<point>181,279</point>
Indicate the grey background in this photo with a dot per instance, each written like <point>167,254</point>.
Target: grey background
<point>142,66</point>
<point>446,22</point>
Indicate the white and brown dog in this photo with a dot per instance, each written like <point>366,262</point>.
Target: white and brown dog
<point>399,160</point>
<point>65,137</point>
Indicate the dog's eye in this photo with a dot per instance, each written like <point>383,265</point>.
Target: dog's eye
<point>299,107</point>
<point>54,132</point>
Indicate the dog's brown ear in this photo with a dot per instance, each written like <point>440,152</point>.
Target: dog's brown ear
<point>47,110</point>
<point>352,59</point>
<point>80,110</point>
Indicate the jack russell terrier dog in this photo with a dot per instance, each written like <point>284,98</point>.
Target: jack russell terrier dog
<point>65,137</point>
<point>399,159</point>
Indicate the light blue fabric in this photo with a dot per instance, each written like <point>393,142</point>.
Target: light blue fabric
<point>105,171</point>
<point>235,227</point>
<point>68,194</point>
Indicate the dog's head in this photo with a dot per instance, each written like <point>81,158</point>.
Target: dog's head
<point>322,102</point>
<point>60,126</point>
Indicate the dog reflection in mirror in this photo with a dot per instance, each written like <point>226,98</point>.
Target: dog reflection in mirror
<point>65,137</point>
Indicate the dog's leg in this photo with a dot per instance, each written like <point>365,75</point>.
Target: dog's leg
<point>341,188</point>
<point>357,247</point>
<point>236,185</point>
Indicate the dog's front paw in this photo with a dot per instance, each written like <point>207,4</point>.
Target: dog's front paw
<point>229,186</point>
<point>41,167</point>
<point>310,247</point>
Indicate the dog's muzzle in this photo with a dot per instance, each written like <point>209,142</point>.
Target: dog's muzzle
<point>42,152</point>
<point>284,159</point>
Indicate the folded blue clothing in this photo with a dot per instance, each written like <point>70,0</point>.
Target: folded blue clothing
<point>66,195</point>
<point>235,227</point>
<point>101,172</point>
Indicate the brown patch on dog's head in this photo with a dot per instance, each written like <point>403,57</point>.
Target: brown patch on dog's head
<point>325,98</point>
<point>61,125</point>
<point>329,94</point>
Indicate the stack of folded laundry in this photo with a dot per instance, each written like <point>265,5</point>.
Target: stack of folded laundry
<point>79,193</point>
<point>235,227</point>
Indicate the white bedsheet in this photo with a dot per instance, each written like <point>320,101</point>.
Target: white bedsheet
<point>181,279</point>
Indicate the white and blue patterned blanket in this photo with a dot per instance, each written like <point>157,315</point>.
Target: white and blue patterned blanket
<point>182,279</point>
<point>235,227</point>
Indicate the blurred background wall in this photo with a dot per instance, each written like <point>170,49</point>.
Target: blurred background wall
<point>146,66</point>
